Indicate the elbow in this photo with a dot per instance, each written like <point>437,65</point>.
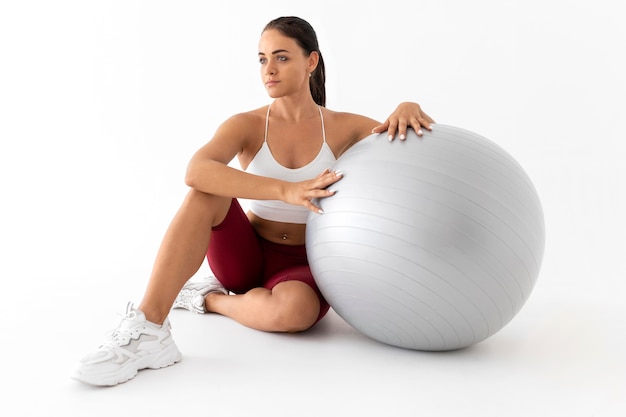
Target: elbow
<point>191,176</point>
<point>189,181</point>
<point>200,174</point>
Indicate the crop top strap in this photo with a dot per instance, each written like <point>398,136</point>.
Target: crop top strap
<point>267,122</point>
<point>323,128</point>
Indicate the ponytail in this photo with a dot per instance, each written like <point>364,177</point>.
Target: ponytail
<point>318,82</point>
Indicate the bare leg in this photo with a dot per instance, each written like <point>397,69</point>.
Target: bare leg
<point>182,251</point>
<point>290,306</point>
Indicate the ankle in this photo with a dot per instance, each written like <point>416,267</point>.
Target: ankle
<point>210,299</point>
<point>152,315</point>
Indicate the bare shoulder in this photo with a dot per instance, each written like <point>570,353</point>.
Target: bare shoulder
<point>344,129</point>
<point>243,129</point>
<point>240,134</point>
<point>244,123</point>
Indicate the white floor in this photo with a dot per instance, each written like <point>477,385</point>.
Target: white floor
<point>563,355</point>
<point>103,103</point>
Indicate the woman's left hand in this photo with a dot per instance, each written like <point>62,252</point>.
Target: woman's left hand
<point>406,115</point>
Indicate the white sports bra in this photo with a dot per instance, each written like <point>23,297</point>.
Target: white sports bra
<point>265,165</point>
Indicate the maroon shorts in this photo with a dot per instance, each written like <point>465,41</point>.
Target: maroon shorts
<point>242,260</point>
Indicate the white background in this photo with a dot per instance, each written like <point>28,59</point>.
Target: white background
<point>102,103</point>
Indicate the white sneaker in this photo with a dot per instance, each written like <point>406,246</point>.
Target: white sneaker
<point>191,296</point>
<point>136,344</point>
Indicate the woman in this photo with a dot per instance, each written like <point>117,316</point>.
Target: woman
<point>285,150</point>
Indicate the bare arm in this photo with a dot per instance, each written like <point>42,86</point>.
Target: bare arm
<point>208,170</point>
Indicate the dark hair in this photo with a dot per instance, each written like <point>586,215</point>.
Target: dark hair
<point>304,34</point>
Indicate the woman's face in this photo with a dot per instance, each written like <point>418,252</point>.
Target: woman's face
<point>285,67</point>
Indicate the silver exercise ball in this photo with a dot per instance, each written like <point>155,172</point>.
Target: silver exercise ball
<point>431,243</point>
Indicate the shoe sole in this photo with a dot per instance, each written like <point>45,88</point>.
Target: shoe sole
<point>167,357</point>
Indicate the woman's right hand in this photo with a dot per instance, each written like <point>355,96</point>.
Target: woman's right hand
<point>301,193</point>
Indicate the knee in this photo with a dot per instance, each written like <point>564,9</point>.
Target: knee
<point>205,206</point>
<point>195,197</point>
<point>297,314</point>
<point>293,321</point>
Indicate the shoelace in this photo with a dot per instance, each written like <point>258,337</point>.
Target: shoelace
<point>186,296</point>
<point>121,336</point>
